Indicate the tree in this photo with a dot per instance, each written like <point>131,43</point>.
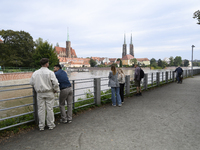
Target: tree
<point>171,63</point>
<point>177,61</point>
<point>186,62</point>
<point>153,62</point>
<point>17,49</point>
<point>133,61</point>
<point>160,63</point>
<point>92,62</point>
<point>196,15</point>
<point>164,64</point>
<point>120,62</point>
<point>44,50</point>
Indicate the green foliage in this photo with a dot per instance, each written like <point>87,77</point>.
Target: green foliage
<point>92,62</point>
<point>133,61</point>
<point>17,49</point>
<point>120,65</point>
<point>186,62</point>
<point>44,50</point>
<point>177,61</point>
<point>160,63</point>
<point>153,63</point>
<point>196,15</point>
<point>171,63</point>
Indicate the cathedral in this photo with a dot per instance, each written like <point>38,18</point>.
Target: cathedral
<point>124,48</point>
<point>67,52</point>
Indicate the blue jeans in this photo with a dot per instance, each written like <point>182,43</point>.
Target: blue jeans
<point>115,90</point>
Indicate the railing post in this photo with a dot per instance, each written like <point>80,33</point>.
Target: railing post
<point>157,78</point>
<point>73,88</point>
<point>152,79</point>
<point>145,81</point>
<point>173,76</point>
<point>97,91</point>
<point>127,84</point>
<point>185,73</point>
<point>35,107</point>
<point>166,77</point>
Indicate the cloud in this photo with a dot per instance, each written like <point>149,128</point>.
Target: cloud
<point>96,28</point>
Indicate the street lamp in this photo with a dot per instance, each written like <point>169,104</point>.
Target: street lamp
<point>192,60</point>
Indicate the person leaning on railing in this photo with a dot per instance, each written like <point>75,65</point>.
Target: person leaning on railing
<point>66,94</point>
<point>121,79</point>
<point>45,84</point>
<point>114,84</point>
<point>179,71</point>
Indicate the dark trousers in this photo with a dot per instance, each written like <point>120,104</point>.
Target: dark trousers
<point>122,92</point>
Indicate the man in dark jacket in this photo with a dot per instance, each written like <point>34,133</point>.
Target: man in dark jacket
<point>66,94</point>
<point>179,71</point>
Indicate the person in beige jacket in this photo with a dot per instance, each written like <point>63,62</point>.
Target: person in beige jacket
<point>45,84</point>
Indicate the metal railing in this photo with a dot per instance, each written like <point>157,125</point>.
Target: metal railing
<point>85,92</point>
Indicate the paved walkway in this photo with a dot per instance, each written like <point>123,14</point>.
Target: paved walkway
<point>165,118</point>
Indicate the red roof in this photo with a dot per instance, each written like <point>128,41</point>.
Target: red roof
<point>127,57</point>
<point>61,49</point>
<point>142,59</point>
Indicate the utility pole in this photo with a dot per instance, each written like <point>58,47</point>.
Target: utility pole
<point>192,60</point>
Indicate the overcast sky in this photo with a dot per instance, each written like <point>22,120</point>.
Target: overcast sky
<point>160,28</point>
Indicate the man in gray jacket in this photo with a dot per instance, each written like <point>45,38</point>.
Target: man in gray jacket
<point>137,80</point>
<point>45,84</point>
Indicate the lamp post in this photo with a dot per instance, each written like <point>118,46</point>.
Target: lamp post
<point>192,60</point>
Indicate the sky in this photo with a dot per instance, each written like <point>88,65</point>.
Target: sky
<point>96,28</point>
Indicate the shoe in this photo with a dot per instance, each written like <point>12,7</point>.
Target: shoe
<point>113,105</point>
<point>41,129</point>
<point>65,121</point>
<point>140,94</point>
<point>137,94</point>
<point>120,105</point>
<point>69,121</point>
<point>51,128</point>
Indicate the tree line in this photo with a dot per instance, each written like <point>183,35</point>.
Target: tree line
<point>18,49</point>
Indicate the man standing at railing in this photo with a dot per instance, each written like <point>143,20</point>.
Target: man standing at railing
<point>66,94</point>
<point>179,71</point>
<point>137,80</point>
<point>45,84</point>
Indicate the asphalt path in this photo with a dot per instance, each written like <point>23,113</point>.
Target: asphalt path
<point>164,118</point>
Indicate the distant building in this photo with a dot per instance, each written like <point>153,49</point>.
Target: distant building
<point>126,59</point>
<point>1,41</point>
<point>124,47</point>
<point>167,60</point>
<point>67,52</point>
<point>143,61</point>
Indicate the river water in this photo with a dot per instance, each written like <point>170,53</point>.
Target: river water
<point>82,86</point>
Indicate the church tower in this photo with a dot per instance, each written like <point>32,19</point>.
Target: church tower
<point>131,47</point>
<point>68,47</point>
<point>124,47</point>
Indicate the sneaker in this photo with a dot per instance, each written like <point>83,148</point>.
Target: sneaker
<point>65,121</point>
<point>140,94</point>
<point>120,105</point>
<point>41,129</point>
<point>113,105</point>
<point>69,121</point>
<point>51,128</point>
<point>137,94</point>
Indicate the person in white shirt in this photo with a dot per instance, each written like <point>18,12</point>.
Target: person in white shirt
<point>45,84</point>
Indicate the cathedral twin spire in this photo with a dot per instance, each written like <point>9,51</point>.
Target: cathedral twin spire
<point>124,49</point>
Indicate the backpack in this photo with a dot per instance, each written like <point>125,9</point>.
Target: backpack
<point>141,73</point>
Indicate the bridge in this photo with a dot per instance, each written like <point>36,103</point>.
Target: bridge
<point>163,118</point>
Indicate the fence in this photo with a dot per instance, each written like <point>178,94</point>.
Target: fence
<point>97,91</point>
